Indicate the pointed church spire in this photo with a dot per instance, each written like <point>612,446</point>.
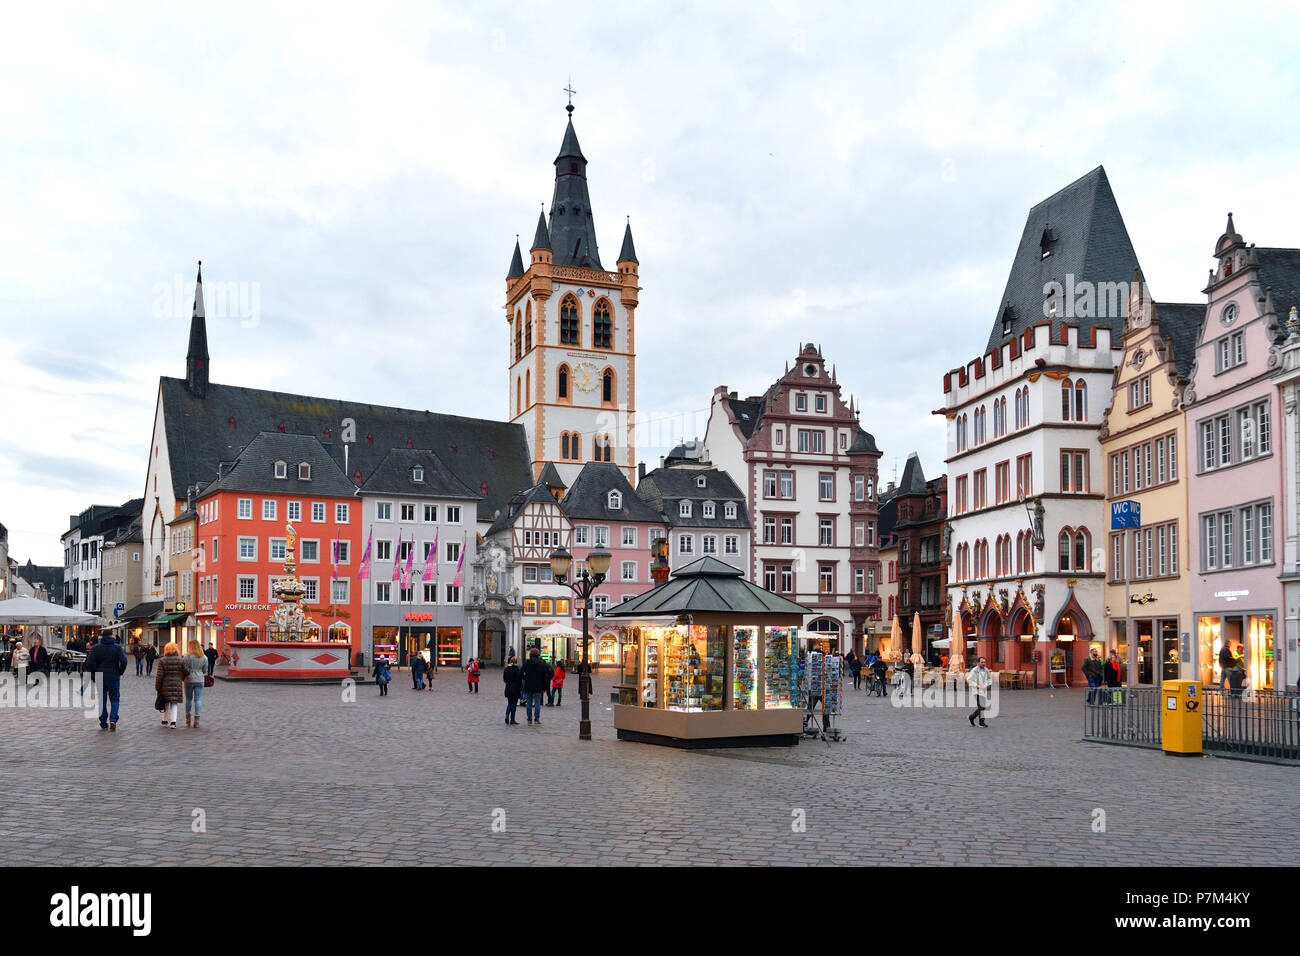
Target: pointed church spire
<point>196,358</point>
<point>628,252</point>
<point>572,226</point>
<point>516,263</point>
<point>542,238</point>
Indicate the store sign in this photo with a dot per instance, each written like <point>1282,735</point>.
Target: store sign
<point>1231,595</point>
<point>118,609</point>
<point>418,616</point>
<point>180,606</point>
<point>250,607</point>
<point>579,604</point>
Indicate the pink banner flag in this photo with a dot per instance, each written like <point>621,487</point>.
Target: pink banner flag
<point>200,564</point>
<point>431,560</point>
<point>397,558</point>
<point>460,567</point>
<point>410,560</point>
<point>334,561</point>
<point>364,571</point>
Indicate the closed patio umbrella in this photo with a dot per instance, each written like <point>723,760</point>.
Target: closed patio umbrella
<point>895,639</point>
<point>957,650</point>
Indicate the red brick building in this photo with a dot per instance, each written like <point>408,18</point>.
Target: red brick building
<point>912,520</point>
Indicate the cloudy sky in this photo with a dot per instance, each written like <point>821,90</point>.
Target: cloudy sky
<point>854,175</point>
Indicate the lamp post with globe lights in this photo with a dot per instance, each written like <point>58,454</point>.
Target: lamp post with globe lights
<point>587,581</point>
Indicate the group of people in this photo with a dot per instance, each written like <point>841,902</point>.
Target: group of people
<point>180,679</point>
<point>531,681</point>
<point>1098,673</point>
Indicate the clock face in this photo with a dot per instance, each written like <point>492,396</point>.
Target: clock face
<point>586,376</point>
<point>1229,314</point>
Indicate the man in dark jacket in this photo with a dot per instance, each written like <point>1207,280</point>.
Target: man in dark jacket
<point>150,655</point>
<point>514,685</point>
<point>109,661</point>
<point>1092,670</point>
<point>40,658</point>
<point>1227,662</point>
<point>211,655</point>
<point>537,677</point>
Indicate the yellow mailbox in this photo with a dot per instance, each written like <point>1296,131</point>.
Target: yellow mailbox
<point>1180,725</point>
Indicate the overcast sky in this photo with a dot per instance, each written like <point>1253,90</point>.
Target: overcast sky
<point>857,176</point>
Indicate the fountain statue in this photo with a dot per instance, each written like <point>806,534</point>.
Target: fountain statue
<point>288,622</point>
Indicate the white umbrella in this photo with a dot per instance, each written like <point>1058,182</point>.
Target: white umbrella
<point>556,630</point>
<point>29,611</point>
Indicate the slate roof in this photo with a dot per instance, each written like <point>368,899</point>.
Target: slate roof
<point>707,585</point>
<point>510,511</point>
<point>542,237</point>
<point>887,514</point>
<point>516,263</point>
<point>395,476</point>
<point>913,482</point>
<point>550,477</point>
<point>572,226</point>
<point>254,469</point>
<point>200,434</point>
<point>664,488</point>
<point>1279,271</point>
<point>588,496</point>
<point>628,252</point>
<point>1180,326</point>
<point>1088,239</point>
<point>747,414</point>
<point>49,577</point>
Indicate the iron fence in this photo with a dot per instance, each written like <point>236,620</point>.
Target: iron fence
<point>1263,723</point>
<point>1129,715</point>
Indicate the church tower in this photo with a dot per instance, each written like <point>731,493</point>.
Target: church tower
<point>571,327</point>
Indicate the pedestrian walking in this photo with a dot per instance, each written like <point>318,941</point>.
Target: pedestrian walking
<point>150,655</point>
<point>979,680</point>
<point>211,655</point>
<point>19,661</point>
<point>169,682</point>
<point>556,694</point>
<point>514,682</point>
<point>1093,670</point>
<point>40,657</point>
<point>196,675</point>
<point>472,674</point>
<point>880,667</point>
<point>137,651</point>
<point>855,668</point>
<point>109,661</point>
<point>382,675</point>
<point>1227,662</point>
<point>418,666</point>
<point>1112,674</point>
<point>537,677</point>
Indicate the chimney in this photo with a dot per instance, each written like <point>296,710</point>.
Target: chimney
<point>640,469</point>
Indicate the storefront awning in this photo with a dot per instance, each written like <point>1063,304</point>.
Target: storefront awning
<point>162,620</point>
<point>146,609</point>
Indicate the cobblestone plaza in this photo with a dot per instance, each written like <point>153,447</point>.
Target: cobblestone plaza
<point>292,775</point>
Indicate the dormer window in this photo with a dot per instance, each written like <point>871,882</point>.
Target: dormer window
<point>699,482</point>
<point>417,474</point>
<point>281,470</point>
<point>684,509</point>
<point>304,471</point>
<point>708,509</point>
<point>615,500</point>
<point>1046,244</point>
<point>1008,318</point>
<point>730,509</point>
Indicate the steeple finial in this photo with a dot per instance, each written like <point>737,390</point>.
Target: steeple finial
<point>570,90</point>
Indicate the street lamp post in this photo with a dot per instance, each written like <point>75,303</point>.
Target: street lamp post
<point>592,576</point>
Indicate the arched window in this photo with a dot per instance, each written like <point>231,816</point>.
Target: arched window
<point>607,387</point>
<point>157,572</point>
<point>1080,401</point>
<point>891,606</point>
<point>564,445</point>
<point>1065,543</point>
<point>602,325</point>
<point>562,385</point>
<point>528,386</point>
<point>1067,399</point>
<point>575,445</point>
<point>519,396</point>
<point>609,449</point>
<point>340,632</point>
<point>1082,549</point>
<point>519,337</point>
<point>570,321</point>
<point>528,334</point>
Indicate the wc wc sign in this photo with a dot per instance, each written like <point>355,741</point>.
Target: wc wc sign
<point>1125,514</point>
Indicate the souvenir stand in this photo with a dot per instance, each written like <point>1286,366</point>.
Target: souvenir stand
<point>709,662</point>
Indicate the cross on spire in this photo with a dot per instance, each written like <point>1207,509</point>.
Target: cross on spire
<point>570,90</point>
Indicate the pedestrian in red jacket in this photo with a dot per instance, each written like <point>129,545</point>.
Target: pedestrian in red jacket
<point>556,693</point>
<point>471,675</point>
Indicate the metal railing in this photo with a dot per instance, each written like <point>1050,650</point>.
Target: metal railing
<point>1261,723</point>
<point>1129,715</point>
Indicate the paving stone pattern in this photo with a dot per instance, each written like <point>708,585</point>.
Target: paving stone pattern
<point>291,775</point>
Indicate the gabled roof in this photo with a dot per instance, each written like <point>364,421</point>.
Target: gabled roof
<point>550,477</point>
<point>707,586</point>
<point>864,441</point>
<point>663,489</point>
<point>1180,326</point>
<point>747,414</point>
<point>1082,226</point>
<point>395,475</point>
<point>537,493</point>
<point>254,469</point>
<point>204,431</point>
<point>588,496</point>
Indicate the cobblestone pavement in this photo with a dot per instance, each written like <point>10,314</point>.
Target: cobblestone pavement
<point>292,775</point>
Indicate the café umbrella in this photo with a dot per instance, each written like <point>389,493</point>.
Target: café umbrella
<point>895,639</point>
<point>957,650</point>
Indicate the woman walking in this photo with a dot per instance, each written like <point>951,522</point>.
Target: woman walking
<point>472,675</point>
<point>514,680</point>
<point>196,670</point>
<point>382,675</point>
<point>556,693</point>
<point>169,682</point>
